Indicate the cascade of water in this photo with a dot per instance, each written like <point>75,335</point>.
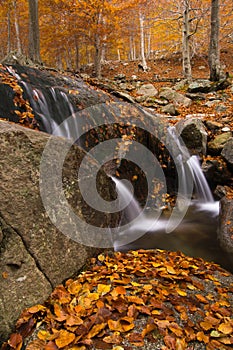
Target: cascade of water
<point>52,106</point>
<point>127,200</point>
<point>201,185</point>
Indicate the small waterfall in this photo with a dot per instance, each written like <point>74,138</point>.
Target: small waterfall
<point>189,171</point>
<point>201,186</point>
<point>127,200</point>
<point>52,106</point>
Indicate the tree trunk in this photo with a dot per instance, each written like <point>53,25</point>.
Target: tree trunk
<point>77,54</point>
<point>98,56</point>
<point>214,52</point>
<point>17,34</point>
<point>187,70</point>
<point>34,33</point>
<point>8,31</point>
<point>142,42</point>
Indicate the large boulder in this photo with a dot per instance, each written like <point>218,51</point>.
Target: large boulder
<point>194,135</point>
<point>173,96</point>
<point>34,254</point>
<point>225,233</point>
<point>147,90</point>
<point>216,145</point>
<point>227,151</point>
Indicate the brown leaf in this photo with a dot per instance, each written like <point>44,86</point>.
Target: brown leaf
<point>36,344</point>
<point>15,341</point>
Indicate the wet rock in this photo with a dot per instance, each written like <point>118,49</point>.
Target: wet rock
<point>35,254</point>
<point>227,151</point>
<point>194,135</point>
<point>216,172</point>
<point>175,97</point>
<point>226,225</point>
<point>216,145</point>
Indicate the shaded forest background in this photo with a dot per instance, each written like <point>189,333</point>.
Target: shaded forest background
<point>76,33</point>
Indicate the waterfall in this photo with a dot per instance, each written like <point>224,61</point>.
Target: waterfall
<point>201,186</point>
<point>52,106</point>
<point>189,171</point>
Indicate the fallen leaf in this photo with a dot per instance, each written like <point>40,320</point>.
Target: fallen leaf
<point>225,328</point>
<point>64,338</point>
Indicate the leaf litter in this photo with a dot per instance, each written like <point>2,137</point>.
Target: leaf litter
<point>147,299</point>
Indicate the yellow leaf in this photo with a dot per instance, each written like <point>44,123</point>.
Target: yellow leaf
<point>170,270</point>
<point>43,335</point>
<point>182,293</point>
<point>103,288</point>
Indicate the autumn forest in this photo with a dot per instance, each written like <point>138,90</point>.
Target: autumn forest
<point>74,33</point>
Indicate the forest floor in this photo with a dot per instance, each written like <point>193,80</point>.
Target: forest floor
<point>163,71</point>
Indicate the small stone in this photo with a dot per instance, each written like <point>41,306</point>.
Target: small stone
<point>226,129</point>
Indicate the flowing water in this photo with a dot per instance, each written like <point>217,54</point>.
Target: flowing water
<point>196,234</point>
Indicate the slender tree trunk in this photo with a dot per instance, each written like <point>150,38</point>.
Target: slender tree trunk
<point>98,55</point>
<point>77,54</point>
<point>142,41</point>
<point>8,31</point>
<point>214,52</point>
<point>34,32</point>
<point>148,44</point>
<point>17,34</point>
<point>132,48</point>
<point>118,54</point>
<point>187,70</point>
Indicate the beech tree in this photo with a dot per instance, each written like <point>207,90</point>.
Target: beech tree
<point>187,70</point>
<point>34,32</point>
<point>214,52</point>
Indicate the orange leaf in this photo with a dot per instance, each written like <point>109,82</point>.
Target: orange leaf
<point>96,330</point>
<point>50,346</point>
<point>202,337</point>
<point>115,338</point>
<point>34,309</point>
<point>149,328</point>
<point>201,298</point>
<point>64,338</point>
<point>135,300</point>
<point>206,325</point>
<point>73,320</point>
<point>225,328</point>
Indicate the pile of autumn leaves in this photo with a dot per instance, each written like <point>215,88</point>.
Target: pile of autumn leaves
<point>22,110</point>
<point>129,300</point>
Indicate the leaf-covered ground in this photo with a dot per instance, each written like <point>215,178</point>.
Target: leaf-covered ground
<point>137,300</point>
